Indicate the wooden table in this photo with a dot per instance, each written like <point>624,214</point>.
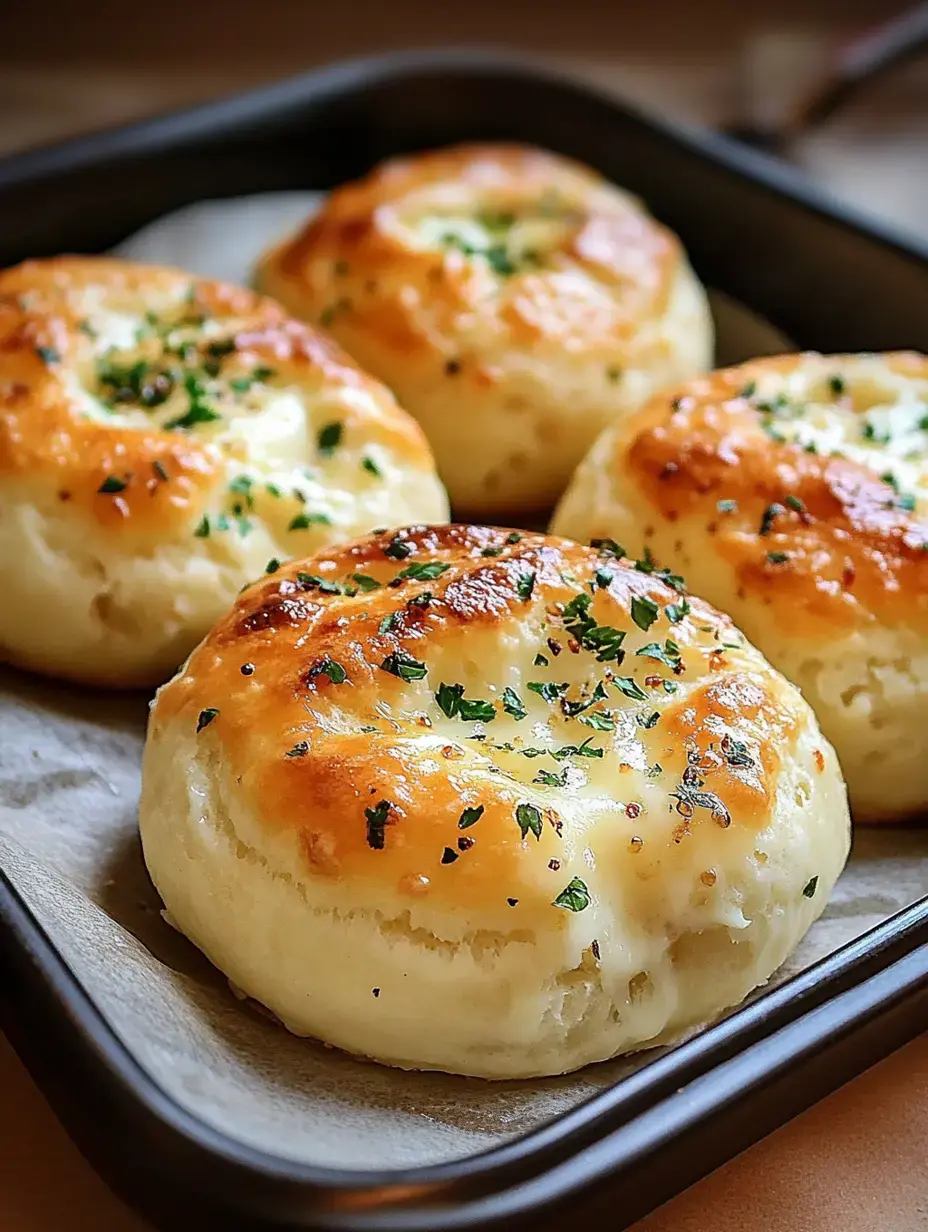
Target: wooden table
<point>859,1161</point>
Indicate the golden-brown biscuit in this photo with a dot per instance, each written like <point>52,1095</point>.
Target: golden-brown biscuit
<point>514,301</point>
<point>160,438</point>
<point>488,802</point>
<point>792,492</point>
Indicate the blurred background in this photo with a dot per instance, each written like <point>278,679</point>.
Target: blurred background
<point>67,68</point>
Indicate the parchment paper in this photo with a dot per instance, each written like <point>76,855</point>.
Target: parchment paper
<point>69,781</point>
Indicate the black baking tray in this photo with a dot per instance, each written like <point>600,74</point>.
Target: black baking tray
<point>754,229</point>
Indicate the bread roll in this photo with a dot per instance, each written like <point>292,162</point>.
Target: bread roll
<point>160,438</point>
<point>514,301</point>
<point>487,802</point>
<point>792,493</point>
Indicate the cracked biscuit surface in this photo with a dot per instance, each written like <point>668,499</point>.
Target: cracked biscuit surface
<point>793,493</point>
<point>161,437</point>
<point>487,801</point>
<point>515,301</point>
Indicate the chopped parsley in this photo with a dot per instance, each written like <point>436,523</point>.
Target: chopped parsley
<point>199,410</point>
<point>668,654</point>
<point>676,611</point>
<point>647,721</point>
<point>514,536</point>
<point>206,717</point>
<point>608,547</point>
<point>371,467</point>
<point>377,823</point>
<point>298,750</point>
<point>770,514</point>
<point>449,855</point>
<point>526,585</point>
<point>547,690</point>
<point>329,667</point>
<point>314,581</point>
<point>749,390</point>
<point>631,688</point>
<point>329,438</point>
<point>364,583</point>
<point>113,483</point>
<point>602,640</point>
<point>302,521</point>
<point>158,467</point>
<point>550,779</point>
<point>808,890</point>
<point>202,529</point>
<point>404,666</point>
<point>48,355</point>
<point>513,704</point>
<point>794,503</point>
<point>529,819</point>
<point>272,565</point>
<point>586,749</point>
<point>397,549</point>
<point>727,506</point>
<point>454,705</point>
<point>644,612</point>
<point>539,660</point>
<point>470,817</point>
<point>778,558</point>
<point>423,571</point>
<point>647,565</point>
<point>599,722</point>
<point>574,897</point>
<point>491,552</point>
<point>837,385</point>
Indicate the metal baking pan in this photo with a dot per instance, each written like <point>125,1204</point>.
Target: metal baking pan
<point>755,230</point>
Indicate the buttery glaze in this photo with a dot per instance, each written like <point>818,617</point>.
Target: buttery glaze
<point>161,437</point>
<point>504,289</point>
<point>312,751</point>
<point>842,547</point>
<point>50,345</point>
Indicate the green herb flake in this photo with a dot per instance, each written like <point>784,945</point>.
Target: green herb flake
<point>647,721</point>
<point>668,654</point>
<point>675,612</point>
<point>513,704</point>
<point>547,690</point>
<point>514,537</point>
<point>586,749</point>
<point>376,818</point>
<point>396,549</point>
<point>206,717</point>
<point>330,668</point>
<point>452,703</point>
<point>404,666</point>
<point>613,375</point>
<point>749,390</point>
<point>470,817</point>
<point>329,438</point>
<point>770,514</point>
<point>302,521</point>
<point>298,750</point>
<point>837,385</point>
<point>48,355</point>
<point>808,890</point>
<point>364,583</point>
<point>550,779</point>
<point>540,660</point>
<point>422,571</point>
<point>202,529</point>
<point>574,897</point>
<point>272,565</point>
<point>529,819</point>
<point>630,688</point>
<point>777,558</point>
<point>599,722</point>
<point>608,547</point>
<point>160,473</point>
<point>644,612</point>
<point>727,506</point>
<point>113,483</point>
<point>371,467</point>
<point>794,503</point>
<point>525,585</point>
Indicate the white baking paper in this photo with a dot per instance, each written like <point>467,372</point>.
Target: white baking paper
<point>69,783</point>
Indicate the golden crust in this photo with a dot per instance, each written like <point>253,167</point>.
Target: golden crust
<point>295,687</point>
<point>842,546</point>
<point>498,276</point>
<point>161,437</point>
<point>45,355</point>
<point>793,492</point>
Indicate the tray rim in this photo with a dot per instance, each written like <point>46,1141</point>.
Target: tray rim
<point>37,959</point>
